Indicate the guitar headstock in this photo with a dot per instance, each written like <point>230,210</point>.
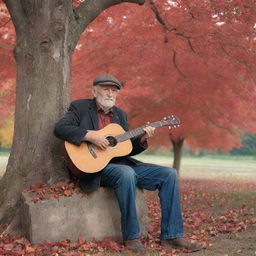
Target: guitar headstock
<point>171,121</point>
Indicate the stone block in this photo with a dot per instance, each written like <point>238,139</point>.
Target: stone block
<point>95,215</point>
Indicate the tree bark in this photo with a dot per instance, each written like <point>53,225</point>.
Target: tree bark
<point>43,57</point>
<point>177,150</point>
<point>46,34</point>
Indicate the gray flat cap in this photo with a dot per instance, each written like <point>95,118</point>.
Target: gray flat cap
<point>107,79</point>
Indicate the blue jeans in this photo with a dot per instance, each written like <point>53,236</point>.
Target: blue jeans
<point>124,179</point>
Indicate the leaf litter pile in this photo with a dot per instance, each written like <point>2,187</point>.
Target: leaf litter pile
<point>210,208</point>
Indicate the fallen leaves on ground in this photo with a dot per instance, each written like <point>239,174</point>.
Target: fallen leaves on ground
<point>207,211</point>
<point>47,192</point>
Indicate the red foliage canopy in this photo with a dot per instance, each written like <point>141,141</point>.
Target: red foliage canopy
<point>192,59</point>
<point>195,60</point>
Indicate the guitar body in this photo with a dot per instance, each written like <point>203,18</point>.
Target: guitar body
<point>88,158</point>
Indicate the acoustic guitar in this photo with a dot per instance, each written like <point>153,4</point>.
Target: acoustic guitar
<point>88,158</point>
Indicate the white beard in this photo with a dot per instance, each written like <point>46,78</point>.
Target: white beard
<point>106,103</point>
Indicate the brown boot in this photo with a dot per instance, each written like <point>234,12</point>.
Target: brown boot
<point>180,243</point>
<point>134,245</point>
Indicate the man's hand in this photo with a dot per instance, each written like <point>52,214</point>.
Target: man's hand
<point>149,133</point>
<point>98,140</point>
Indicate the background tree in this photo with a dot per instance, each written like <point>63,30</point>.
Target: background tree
<point>46,35</point>
<point>196,60</point>
<point>7,65</point>
<point>249,146</point>
<point>6,133</point>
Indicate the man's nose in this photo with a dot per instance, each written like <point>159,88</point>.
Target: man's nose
<point>110,93</point>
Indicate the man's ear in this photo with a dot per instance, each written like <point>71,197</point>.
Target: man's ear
<point>94,91</point>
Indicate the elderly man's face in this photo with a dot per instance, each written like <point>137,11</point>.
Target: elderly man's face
<point>105,95</point>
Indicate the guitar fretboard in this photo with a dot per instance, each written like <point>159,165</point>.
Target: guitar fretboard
<point>136,132</point>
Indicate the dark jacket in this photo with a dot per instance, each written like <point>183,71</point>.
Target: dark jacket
<point>82,116</point>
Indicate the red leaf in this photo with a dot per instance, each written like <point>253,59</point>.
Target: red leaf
<point>8,247</point>
<point>68,192</point>
<point>80,240</point>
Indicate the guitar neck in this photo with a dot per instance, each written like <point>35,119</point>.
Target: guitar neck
<point>136,132</point>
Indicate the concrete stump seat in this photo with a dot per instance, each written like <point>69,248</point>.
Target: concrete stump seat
<point>95,215</point>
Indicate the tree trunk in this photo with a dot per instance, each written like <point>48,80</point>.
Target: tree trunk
<point>43,73</point>
<point>177,149</point>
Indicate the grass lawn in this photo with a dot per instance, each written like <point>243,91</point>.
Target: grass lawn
<point>195,167</point>
<point>3,163</point>
<point>211,167</point>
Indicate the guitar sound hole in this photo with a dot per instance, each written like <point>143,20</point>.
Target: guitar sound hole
<point>112,141</point>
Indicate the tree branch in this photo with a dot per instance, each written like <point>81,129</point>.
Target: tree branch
<point>159,17</point>
<point>17,14</point>
<point>177,68</point>
<point>87,11</point>
<point>166,27</point>
<point>189,41</point>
